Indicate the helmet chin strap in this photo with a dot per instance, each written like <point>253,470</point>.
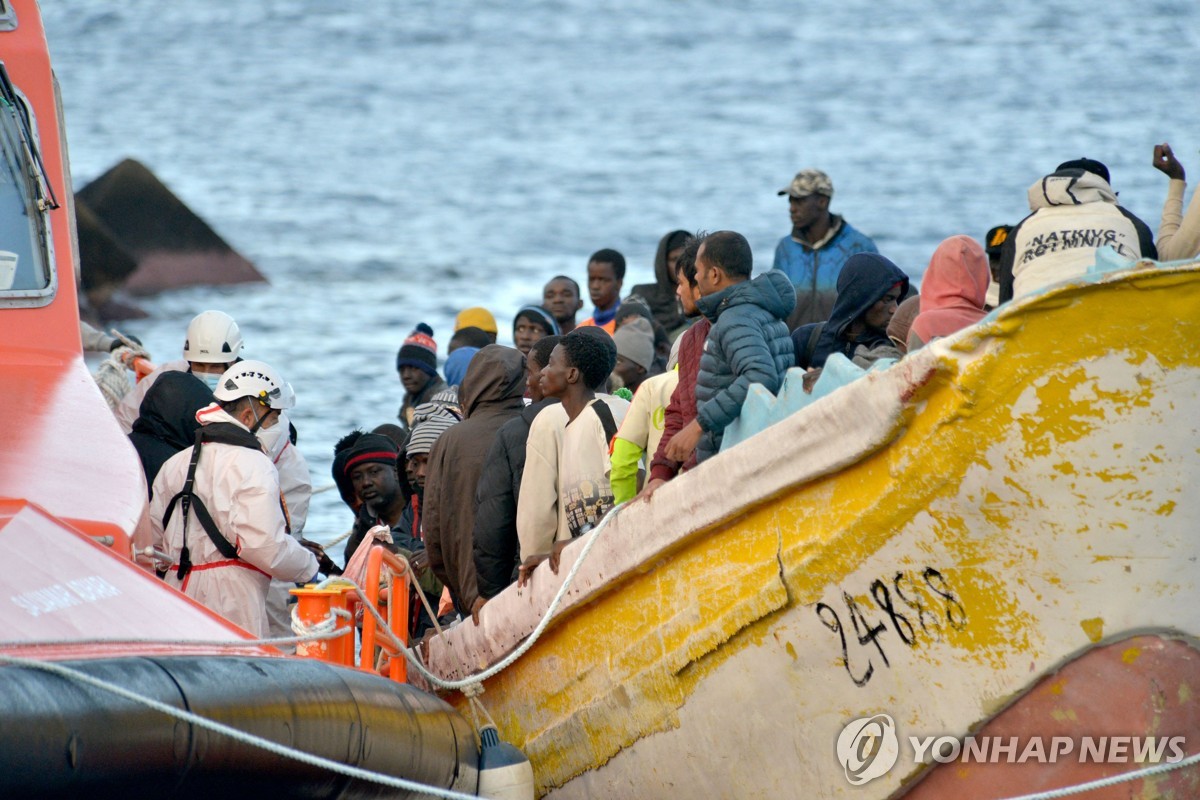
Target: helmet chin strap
<point>258,421</point>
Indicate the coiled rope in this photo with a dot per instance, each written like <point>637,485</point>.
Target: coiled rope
<point>322,629</point>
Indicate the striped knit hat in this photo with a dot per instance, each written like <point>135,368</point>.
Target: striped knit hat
<point>430,421</point>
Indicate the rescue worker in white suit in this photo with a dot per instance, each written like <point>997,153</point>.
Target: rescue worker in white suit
<point>226,529</point>
<point>213,344</point>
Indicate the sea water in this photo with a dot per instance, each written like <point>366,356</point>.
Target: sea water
<point>387,163</point>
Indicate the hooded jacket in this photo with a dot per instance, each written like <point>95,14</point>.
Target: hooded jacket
<point>660,295</point>
<point>491,394</point>
<point>748,343</point>
<point>240,489</point>
<point>865,279</point>
<point>1075,213</point>
<point>167,420</point>
<point>954,289</point>
<point>497,548</point>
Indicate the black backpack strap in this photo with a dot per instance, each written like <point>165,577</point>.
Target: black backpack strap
<point>814,336</point>
<point>186,498</point>
<point>228,433</point>
<point>606,419</point>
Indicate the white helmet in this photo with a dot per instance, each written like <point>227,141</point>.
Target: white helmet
<point>255,379</point>
<point>212,338</point>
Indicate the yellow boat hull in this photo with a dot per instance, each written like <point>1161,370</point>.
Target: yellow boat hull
<point>928,543</point>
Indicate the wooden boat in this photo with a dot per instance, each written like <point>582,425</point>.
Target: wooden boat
<point>71,495</point>
<point>996,536</point>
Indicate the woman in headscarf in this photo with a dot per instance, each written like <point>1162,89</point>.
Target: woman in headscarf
<point>953,291</point>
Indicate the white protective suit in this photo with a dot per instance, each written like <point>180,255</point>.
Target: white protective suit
<point>240,488</point>
<point>130,407</point>
<point>296,483</point>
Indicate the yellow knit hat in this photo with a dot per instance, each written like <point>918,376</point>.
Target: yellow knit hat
<point>477,317</point>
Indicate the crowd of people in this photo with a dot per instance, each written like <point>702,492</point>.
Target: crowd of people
<point>503,455</point>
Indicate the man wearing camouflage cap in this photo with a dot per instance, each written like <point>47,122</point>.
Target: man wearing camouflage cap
<point>812,255</point>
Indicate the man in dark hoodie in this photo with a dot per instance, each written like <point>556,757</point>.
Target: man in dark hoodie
<point>167,419</point>
<point>748,342</point>
<point>491,394</point>
<point>497,547</point>
<point>660,295</point>
<point>869,288</point>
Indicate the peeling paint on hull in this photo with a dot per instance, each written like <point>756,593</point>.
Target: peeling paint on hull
<point>927,542</point>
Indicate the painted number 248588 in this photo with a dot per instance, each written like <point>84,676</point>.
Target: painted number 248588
<point>904,609</point>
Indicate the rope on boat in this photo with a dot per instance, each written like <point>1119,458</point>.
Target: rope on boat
<point>473,685</point>
<point>320,629</point>
<point>1113,780</point>
<point>324,630</point>
<point>237,735</point>
<point>339,538</point>
<point>110,377</point>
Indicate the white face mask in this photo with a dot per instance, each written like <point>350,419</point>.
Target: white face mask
<point>211,379</point>
<point>274,438</point>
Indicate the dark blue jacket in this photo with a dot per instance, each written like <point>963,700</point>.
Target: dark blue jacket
<point>865,279</point>
<point>748,343</point>
<point>814,272</point>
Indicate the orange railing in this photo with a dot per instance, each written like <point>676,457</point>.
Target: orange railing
<point>392,605</point>
<point>389,596</point>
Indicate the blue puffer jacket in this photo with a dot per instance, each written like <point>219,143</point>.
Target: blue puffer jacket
<point>748,343</point>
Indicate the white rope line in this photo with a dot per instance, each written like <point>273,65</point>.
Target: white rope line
<point>329,634</point>
<point>1113,780</point>
<point>478,678</point>
<point>237,735</point>
<point>339,538</point>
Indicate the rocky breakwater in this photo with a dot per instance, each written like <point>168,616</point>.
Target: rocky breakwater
<point>136,236</point>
